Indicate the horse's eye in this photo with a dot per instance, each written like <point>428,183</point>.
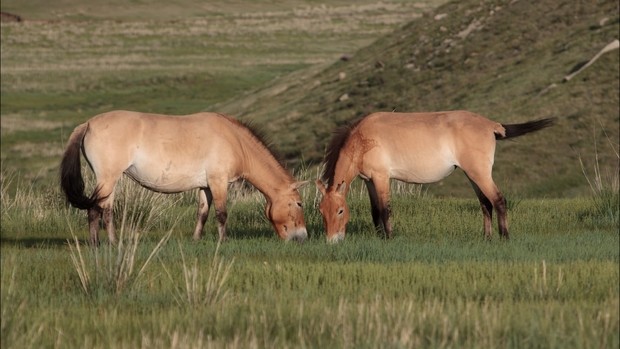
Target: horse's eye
<point>299,204</point>
<point>340,211</point>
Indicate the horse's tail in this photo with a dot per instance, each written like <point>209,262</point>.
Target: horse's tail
<point>71,180</point>
<point>516,130</point>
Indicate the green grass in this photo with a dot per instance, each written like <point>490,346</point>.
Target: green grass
<point>437,283</point>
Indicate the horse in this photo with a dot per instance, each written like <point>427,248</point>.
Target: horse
<point>172,154</point>
<point>413,148</point>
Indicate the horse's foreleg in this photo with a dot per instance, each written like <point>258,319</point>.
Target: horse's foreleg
<point>382,189</point>
<point>205,197</point>
<point>374,208</point>
<point>219,190</point>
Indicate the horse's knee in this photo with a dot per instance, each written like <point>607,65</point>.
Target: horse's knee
<point>221,216</point>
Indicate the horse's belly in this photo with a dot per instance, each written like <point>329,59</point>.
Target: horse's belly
<point>168,179</point>
<point>422,172</point>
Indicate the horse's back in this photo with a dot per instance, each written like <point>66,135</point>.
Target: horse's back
<point>132,122</point>
<point>424,147</point>
<point>162,152</point>
<point>428,130</point>
<point>430,123</point>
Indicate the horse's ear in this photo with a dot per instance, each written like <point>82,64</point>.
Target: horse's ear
<point>321,186</point>
<point>299,184</point>
<point>342,188</point>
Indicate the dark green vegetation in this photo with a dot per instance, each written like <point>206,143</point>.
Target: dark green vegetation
<point>437,284</point>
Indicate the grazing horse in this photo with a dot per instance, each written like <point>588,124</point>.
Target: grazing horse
<point>413,148</point>
<point>172,154</point>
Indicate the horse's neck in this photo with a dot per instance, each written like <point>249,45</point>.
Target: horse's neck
<point>346,167</point>
<point>264,172</point>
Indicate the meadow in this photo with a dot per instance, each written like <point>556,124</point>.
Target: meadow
<point>437,284</point>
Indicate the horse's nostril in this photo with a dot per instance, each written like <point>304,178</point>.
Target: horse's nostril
<point>298,236</point>
<point>335,238</point>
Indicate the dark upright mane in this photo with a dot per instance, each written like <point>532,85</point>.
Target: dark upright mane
<point>332,153</point>
<point>259,135</point>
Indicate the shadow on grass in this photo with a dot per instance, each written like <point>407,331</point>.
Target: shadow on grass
<point>36,242</point>
<point>267,232</point>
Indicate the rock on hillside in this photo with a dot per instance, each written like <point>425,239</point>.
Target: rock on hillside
<point>501,58</point>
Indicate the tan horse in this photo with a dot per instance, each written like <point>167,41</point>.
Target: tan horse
<point>413,148</point>
<point>171,154</point>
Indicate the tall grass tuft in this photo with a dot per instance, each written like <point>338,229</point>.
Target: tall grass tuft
<point>115,268</point>
<point>605,187</point>
<point>199,289</point>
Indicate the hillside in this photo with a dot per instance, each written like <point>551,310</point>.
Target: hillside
<point>503,59</point>
<point>71,60</point>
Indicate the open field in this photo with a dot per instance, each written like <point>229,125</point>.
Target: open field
<point>437,284</point>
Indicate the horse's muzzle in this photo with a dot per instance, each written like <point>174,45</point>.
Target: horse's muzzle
<point>336,238</point>
<point>299,235</point>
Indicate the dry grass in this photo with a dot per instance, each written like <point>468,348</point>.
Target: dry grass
<point>118,268</point>
<point>94,46</point>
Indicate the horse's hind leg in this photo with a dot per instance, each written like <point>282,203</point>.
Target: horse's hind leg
<point>487,193</point>
<point>502,221</point>
<point>107,207</point>
<point>487,210</point>
<point>104,208</point>
<point>205,197</point>
<point>94,214</point>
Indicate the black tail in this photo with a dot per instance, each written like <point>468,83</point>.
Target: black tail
<point>516,130</point>
<point>71,180</point>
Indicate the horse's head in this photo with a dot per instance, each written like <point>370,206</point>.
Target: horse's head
<point>287,215</point>
<point>334,209</point>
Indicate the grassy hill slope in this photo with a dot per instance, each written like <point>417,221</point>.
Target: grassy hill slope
<point>503,59</point>
<point>73,59</point>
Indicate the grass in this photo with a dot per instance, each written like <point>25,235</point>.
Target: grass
<point>437,283</point>
<point>605,186</point>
